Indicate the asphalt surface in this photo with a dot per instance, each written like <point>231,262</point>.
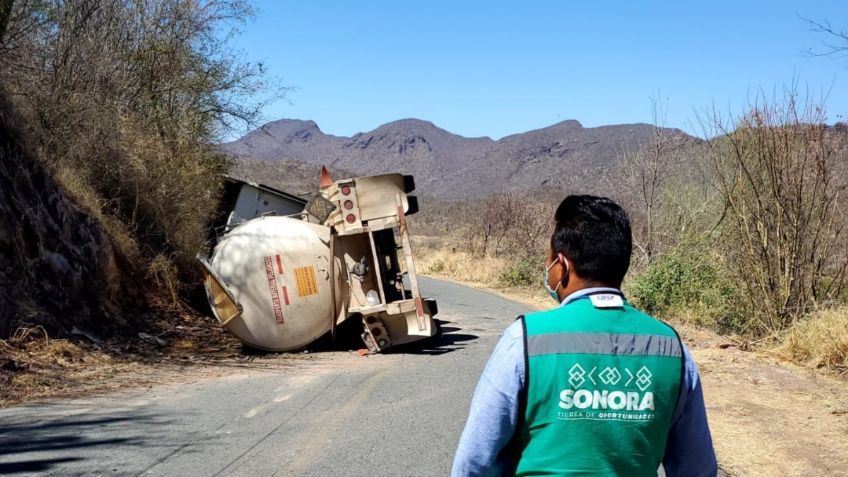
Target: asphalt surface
<point>335,414</point>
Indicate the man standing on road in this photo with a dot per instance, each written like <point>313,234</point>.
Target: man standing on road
<point>592,387</point>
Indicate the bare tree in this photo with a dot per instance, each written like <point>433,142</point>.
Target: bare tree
<point>835,43</point>
<point>647,172</point>
<point>517,225</point>
<point>780,174</point>
<point>533,227</point>
<point>496,220</point>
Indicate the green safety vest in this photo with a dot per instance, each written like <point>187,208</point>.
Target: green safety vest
<point>602,383</point>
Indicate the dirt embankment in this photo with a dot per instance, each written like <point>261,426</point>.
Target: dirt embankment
<point>58,272</point>
<point>57,266</point>
<point>72,317</point>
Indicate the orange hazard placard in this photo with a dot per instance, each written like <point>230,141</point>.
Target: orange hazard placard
<point>307,284</point>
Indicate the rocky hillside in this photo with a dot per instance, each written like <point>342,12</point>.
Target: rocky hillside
<point>57,266</point>
<point>448,166</point>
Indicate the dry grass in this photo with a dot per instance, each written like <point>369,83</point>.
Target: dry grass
<point>46,368</point>
<point>35,366</point>
<point>437,259</point>
<point>79,189</point>
<point>818,341</point>
<point>447,262</point>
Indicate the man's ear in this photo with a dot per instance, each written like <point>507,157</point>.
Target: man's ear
<point>566,263</point>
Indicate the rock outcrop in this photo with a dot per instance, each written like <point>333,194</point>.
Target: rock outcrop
<point>57,266</point>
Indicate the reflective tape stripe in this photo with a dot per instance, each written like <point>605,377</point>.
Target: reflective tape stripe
<point>603,343</point>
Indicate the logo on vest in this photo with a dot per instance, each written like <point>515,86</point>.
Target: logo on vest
<point>613,394</point>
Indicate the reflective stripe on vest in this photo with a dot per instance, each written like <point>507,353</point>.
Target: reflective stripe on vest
<point>604,343</point>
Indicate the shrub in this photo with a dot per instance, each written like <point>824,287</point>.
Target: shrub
<point>687,283</point>
<point>438,266</point>
<point>780,172</point>
<point>525,271</point>
<point>125,102</point>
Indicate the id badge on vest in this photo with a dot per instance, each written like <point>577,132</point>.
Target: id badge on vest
<point>607,300</point>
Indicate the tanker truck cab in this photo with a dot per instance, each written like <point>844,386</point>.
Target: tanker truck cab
<point>280,282</point>
<point>243,200</point>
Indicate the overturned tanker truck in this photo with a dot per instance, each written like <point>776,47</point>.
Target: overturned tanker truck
<point>284,271</point>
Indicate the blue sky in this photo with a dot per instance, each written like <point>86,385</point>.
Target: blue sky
<point>498,68</point>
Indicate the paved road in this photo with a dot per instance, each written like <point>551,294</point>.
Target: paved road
<point>336,414</point>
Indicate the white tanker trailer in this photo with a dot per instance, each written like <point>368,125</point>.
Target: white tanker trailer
<point>279,282</point>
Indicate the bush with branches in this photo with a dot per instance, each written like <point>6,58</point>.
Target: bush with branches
<point>780,173</point>
<point>126,102</point>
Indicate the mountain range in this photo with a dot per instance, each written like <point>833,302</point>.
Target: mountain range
<point>446,165</point>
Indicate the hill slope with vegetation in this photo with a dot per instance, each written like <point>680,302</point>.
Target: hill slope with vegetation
<point>124,103</point>
<point>111,114</point>
<point>57,265</point>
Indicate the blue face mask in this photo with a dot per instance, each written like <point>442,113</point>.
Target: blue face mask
<point>551,291</point>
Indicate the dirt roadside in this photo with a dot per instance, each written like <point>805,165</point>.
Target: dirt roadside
<point>181,347</point>
<point>770,417</point>
<point>767,416</point>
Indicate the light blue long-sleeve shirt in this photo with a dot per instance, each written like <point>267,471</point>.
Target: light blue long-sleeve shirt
<point>493,417</point>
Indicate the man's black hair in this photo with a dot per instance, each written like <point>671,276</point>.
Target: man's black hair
<point>594,234</point>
